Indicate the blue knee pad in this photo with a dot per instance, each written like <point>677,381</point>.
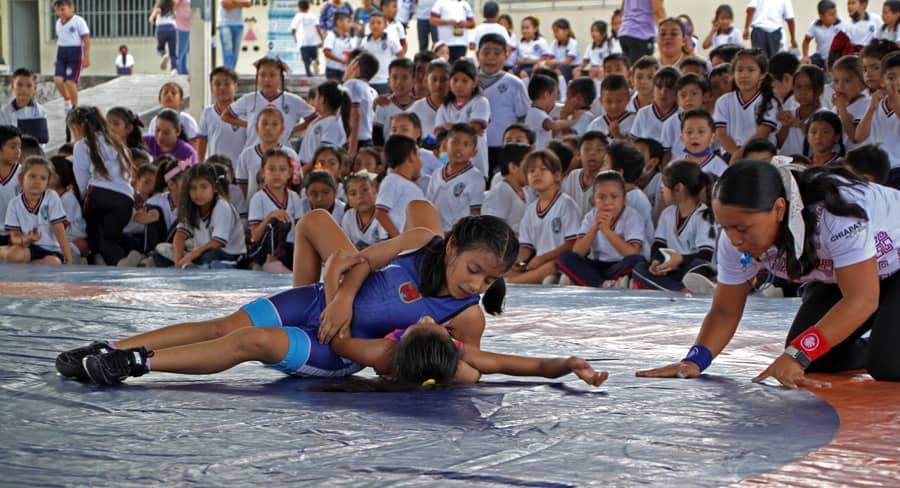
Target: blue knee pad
<point>263,313</point>
<point>298,352</point>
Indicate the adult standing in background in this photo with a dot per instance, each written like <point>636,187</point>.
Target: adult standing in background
<point>423,24</point>
<point>638,31</point>
<point>453,19</point>
<point>326,18</point>
<point>183,34</point>
<point>766,18</point>
<point>231,29</point>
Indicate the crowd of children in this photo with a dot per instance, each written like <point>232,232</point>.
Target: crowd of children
<point>604,169</point>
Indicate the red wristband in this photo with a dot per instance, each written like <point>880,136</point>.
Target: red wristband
<point>811,342</point>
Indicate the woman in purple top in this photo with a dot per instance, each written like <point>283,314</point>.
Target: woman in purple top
<point>638,31</point>
<point>170,139</point>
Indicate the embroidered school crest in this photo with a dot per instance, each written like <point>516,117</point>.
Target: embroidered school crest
<point>317,130</point>
<point>556,225</point>
<point>502,88</point>
<point>409,293</point>
<point>458,189</point>
<point>469,113</point>
<point>45,214</point>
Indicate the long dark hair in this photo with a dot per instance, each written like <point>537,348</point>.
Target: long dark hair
<point>188,211</point>
<point>337,100</point>
<point>756,185</point>
<point>765,87</point>
<point>63,168</point>
<point>466,67</point>
<point>474,232</point>
<point>831,119</point>
<point>134,138</point>
<point>166,7</point>
<point>93,127</point>
<point>695,181</point>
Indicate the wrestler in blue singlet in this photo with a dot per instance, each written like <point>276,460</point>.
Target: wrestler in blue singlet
<point>389,299</point>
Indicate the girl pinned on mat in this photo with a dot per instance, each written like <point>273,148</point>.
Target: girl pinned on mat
<point>825,227</point>
<point>336,328</point>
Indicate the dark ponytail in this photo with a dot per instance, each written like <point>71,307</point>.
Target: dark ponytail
<point>767,92</point>
<point>696,182</point>
<point>756,185</point>
<point>831,119</point>
<point>95,130</point>
<point>474,232</point>
<point>134,138</point>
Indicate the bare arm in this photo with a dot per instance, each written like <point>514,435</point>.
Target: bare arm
<point>495,363</point>
<point>59,231</point>
<point>386,223</point>
<point>231,119</point>
<point>659,10</point>
<point>865,125</point>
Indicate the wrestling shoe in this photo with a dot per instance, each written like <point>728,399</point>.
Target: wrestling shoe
<point>69,363</point>
<point>698,284</point>
<point>113,367</point>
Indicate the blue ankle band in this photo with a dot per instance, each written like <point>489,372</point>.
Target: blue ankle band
<point>699,355</point>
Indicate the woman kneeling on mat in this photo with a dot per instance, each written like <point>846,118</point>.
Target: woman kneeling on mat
<point>823,226</point>
<point>337,328</point>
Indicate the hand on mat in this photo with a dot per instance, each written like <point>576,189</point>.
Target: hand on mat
<point>335,320</point>
<point>586,372</point>
<point>789,373</point>
<point>684,369</point>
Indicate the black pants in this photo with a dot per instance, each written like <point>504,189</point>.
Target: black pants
<point>494,163</point>
<point>457,52</point>
<point>334,74</point>
<point>768,42</point>
<point>309,54</point>
<point>274,243</point>
<point>671,280</point>
<point>633,48</point>
<point>589,272</point>
<point>106,213</point>
<point>878,354</point>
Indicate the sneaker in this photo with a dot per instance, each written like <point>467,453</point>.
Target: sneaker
<point>771,291</point>
<point>623,282</point>
<point>275,267</point>
<point>113,367</point>
<point>164,62</point>
<point>147,262</point>
<point>166,250</point>
<point>131,260</point>
<point>698,284</point>
<point>68,106</point>
<point>69,363</point>
<point>551,280</point>
<point>98,260</point>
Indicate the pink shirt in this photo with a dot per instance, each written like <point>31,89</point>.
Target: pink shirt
<point>183,15</point>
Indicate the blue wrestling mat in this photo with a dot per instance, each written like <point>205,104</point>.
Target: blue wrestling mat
<point>254,426</point>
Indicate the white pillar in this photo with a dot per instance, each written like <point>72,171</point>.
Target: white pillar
<point>200,64</point>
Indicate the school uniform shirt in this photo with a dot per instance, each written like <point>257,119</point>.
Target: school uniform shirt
<point>265,202</point>
<point>222,225</point>
<point>69,34</point>
<point>9,190</point>
<point>31,119</point>
<point>601,123</point>
<point>86,176</point>
<point>385,50</point>
<point>628,226</point>
<point>239,202</point>
<point>456,195</point>
<point>653,192</point>
<point>337,211</point>
<point>885,130</point>
<point>508,98</point>
<point>823,35</point>
<point>712,164</point>
<point>362,235</point>
<point>22,217</point>
<point>77,228</point>
<point>733,36</point>
<point>596,54</point>
<point>648,122</point>
<point>394,194</point>
<point>887,35</point>
<point>327,130</point>
<point>123,65</point>
<point>584,121</point>
<point>384,113</point>
<point>477,109</point>
<point>541,123</point>
<point>457,11</point>
<point>562,51</point>
<point>635,104</point>
<point>430,163</point>
<point>340,46</point>
<point>636,199</point>
<point>513,51</point>
<point>249,164</point>
<point>770,14</point>
<point>535,49</point>
<point>304,24</point>
<point>221,137</point>
<point>862,31</point>
<point>685,235</point>
<point>426,112</point>
<point>361,97</point>
<point>504,201</point>
<point>166,205</point>
<point>485,28</point>
<point>839,241</point>
<point>545,229</point>
<point>575,188</point>
<point>857,110</point>
<point>671,134</point>
<point>293,108</point>
<point>738,116</point>
<point>793,142</point>
<point>188,125</point>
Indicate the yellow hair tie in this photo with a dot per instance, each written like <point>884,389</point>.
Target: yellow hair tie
<point>429,382</point>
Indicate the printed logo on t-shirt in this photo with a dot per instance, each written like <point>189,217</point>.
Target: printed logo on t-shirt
<point>849,231</point>
<point>409,293</point>
<point>45,214</point>
<point>502,88</point>
<point>556,225</point>
<point>458,189</point>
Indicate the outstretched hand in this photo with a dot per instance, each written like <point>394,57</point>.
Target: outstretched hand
<point>684,369</point>
<point>586,372</point>
<point>790,374</point>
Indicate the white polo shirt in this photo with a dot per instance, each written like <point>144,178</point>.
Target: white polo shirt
<point>385,50</point>
<point>770,14</point>
<point>69,34</point>
<point>823,35</point>
<point>457,11</point>
<point>862,31</point>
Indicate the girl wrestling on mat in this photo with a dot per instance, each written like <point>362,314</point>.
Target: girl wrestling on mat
<point>351,321</point>
<point>825,227</point>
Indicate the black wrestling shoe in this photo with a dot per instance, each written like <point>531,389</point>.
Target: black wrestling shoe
<point>69,363</point>
<point>113,367</point>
